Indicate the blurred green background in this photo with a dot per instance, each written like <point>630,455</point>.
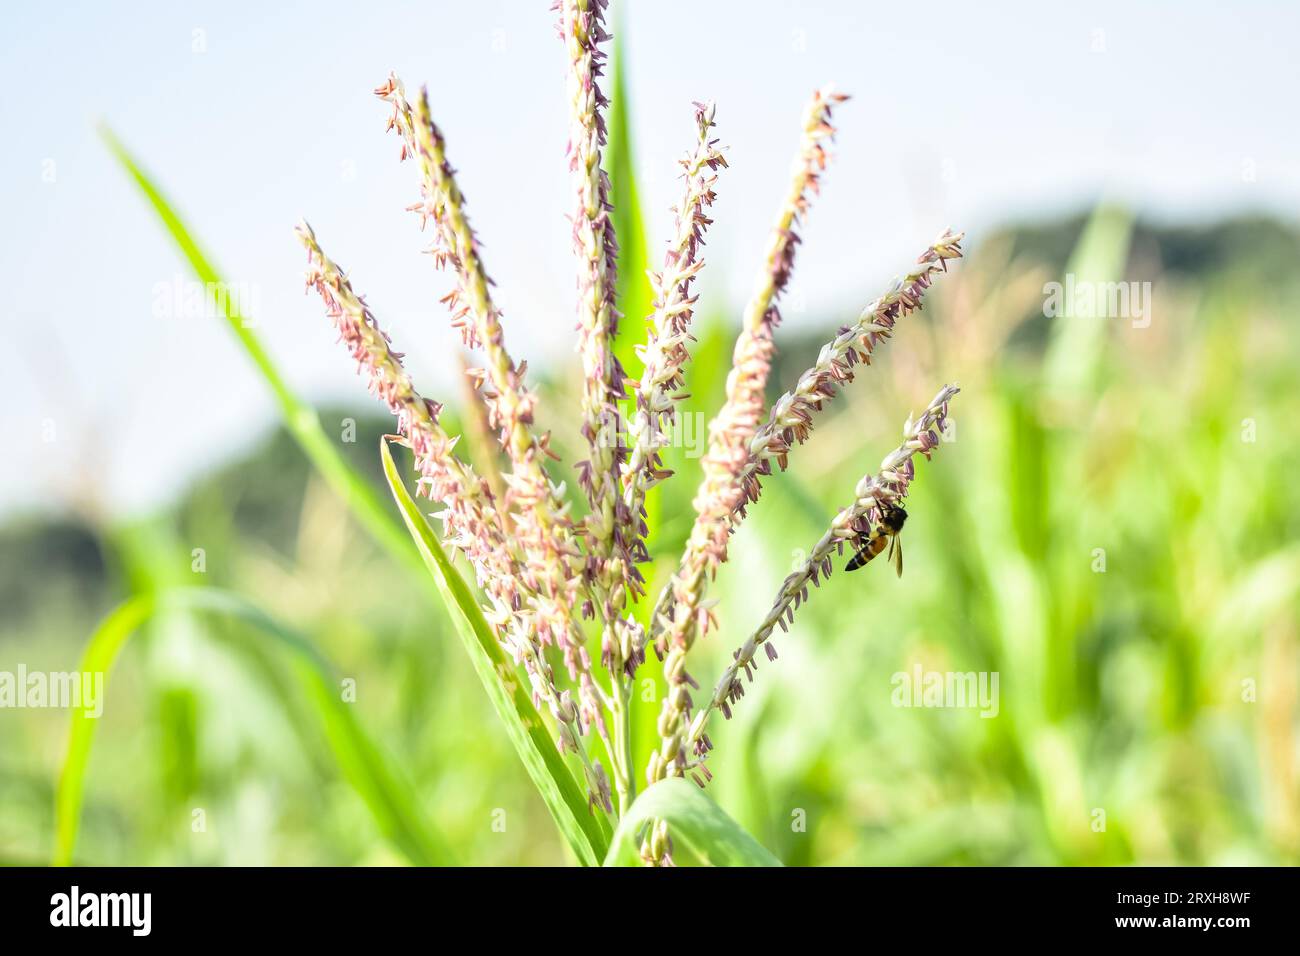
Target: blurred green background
<point>1161,691</point>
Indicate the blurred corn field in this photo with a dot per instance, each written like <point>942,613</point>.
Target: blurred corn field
<point>1112,531</point>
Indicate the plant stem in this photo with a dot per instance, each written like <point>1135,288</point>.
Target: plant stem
<point>621,750</point>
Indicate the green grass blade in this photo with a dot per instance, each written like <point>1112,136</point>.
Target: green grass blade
<point>301,420</point>
<point>635,297</point>
<point>390,798</point>
<point>101,652</point>
<point>696,824</point>
<point>585,830</point>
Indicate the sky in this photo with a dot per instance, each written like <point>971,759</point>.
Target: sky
<point>251,116</point>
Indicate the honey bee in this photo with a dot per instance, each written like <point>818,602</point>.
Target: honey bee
<point>887,531</point>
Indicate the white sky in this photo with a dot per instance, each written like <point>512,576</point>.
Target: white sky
<point>960,116</point>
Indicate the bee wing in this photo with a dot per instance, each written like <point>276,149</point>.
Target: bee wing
<point>896,552</point>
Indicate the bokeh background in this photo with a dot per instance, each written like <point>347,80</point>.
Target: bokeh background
<point>1138,143</point>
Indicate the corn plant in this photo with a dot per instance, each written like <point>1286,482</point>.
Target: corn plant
<point>551,627</point>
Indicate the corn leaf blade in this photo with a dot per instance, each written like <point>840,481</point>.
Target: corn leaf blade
<point>585,831</point>
<point>365,503</point>
<point>696,824</point>
<point>386,793</point>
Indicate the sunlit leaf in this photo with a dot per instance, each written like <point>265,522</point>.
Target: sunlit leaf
<point>585,830</point>
<point>700,831</point>
<point>300,419</point>
<point>390,798</point>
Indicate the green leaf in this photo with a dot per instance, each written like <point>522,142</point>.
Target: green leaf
<point>389,797</point>
<point>635,297</point>
<point>697,826</point>
<point>300,419</point>
<point>586,831</point>
<point>100,654</point>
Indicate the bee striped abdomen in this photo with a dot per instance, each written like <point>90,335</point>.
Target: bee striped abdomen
<point>875,544</point>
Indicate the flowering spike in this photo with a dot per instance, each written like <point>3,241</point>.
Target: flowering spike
<point>542,571</point>
<point>470,518</point>
<point>790,420</point>
<point>889,485</point>
<point>538,515</point>
<point>731,431</point>
<point>665,353</point>
<point>611,569</point>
